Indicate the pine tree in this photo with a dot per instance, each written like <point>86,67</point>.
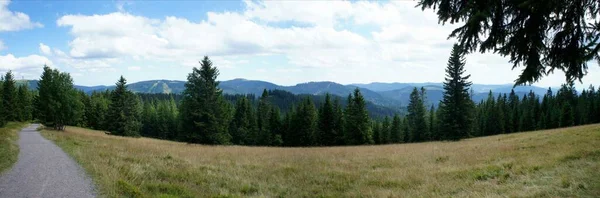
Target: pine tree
<point>376,128</point>
<point>433,129</point>
<point>327,122</point>
<point>385,131</point>
<point>203,110</point>
<point>243,123</point>
<point>304,124</point>
<point>262,114</point>
<point>275,125</point>
<point>416,117</point>
<point>338,122</point>
<point>24,100</point>
<point>9,98</point>
<point>58,103</point>
<point>358,130</point>
<point>455,106</point>
<point>123,111</point>
<point>2,117</point>
<point>396,130</point>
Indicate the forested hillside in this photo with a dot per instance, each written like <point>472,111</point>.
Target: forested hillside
<point>203,113</point>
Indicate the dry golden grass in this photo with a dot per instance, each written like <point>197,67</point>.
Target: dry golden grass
<point>551,163</point>
<point>9,149</point>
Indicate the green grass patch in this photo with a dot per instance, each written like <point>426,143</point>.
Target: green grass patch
<point>554,163</point>
<point>9,149</point>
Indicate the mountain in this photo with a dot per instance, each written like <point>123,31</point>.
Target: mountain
<point>382,94</point>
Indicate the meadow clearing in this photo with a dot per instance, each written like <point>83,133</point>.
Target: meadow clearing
<point>550,163</point>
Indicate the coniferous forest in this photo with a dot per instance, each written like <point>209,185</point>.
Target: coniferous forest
<point>203,114</point>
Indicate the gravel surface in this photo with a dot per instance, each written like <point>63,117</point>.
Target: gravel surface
<point>44,170</point>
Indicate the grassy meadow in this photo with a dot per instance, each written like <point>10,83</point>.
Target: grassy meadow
<point>552,163</point>
<point>9,149</point>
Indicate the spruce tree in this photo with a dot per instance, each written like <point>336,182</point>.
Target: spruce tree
<point>327,122</point>
<point>396,130</point>
<point>357,130</point>
<point>262,114</point>
<point>275,125</point>
<point>385,131</point>
<point>203,110</point>
<point>58,103</point>
<point>9,98</point>
<point>2,117</point>
<point>456,103</point>
<point>416,117</point>
<point>123,111</point>
<point>338,122</point>
<point>243,122</point>
<point>376,128</point>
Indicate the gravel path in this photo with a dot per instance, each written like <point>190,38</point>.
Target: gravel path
<point>44,170</point>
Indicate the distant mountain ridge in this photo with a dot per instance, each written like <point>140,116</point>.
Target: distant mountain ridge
<point>384,94</point>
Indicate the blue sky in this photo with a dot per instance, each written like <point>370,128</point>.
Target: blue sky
<point>284,42</point>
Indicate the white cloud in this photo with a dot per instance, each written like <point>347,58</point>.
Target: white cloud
<point>348,41</point>
<point>14,21</point>
<point>134,68</point>
<point>45,49</point>
<point>28,67</point>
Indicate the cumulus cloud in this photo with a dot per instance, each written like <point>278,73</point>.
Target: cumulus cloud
<point>28,67</point>
<point>348,41</point>
<point>45,49</point>
<point>14,21</point>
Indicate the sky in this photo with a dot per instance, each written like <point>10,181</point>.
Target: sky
<point>284,42</point>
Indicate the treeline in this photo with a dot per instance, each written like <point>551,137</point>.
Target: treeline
<point>16,104</point>
<point>203,114</point>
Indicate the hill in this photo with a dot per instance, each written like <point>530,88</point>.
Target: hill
<point>551,163</point>
<point>382,94</point>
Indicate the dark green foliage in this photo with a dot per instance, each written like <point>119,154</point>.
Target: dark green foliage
<point>58,103</point>
<point>204,112</point>
<point>540,35</point>
<point>303,129</point>
<point>2,117</point>
<point>264,136</point>
<point>357,130</point>
<point>416,117</point>
<point>456,106</point>
<point>243,125</point>
<point>327,119</point>
<point>385,132</point>
<point>123,111</point>
<point>396,130</point>
<point>9,98</point>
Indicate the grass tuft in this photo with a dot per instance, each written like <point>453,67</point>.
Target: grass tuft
<point>9,149</point>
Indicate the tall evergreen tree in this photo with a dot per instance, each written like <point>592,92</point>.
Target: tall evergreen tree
<point>203,110</point>
<point>327,122</point>
<point>58,103</point>
<point>338,122</point>
<point>262,114</point>
<point>275,125</point>
<point>243,123</point>
<point>385,131</point>
<point>123,111</point>
<point>416,117</point>
<point>396,130</point>
<point>9,98</point>
<point>2,117</point>
<point>357,120</point>
<point>456,104</point>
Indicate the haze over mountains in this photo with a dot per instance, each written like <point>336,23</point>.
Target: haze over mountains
<point>384,94</point>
